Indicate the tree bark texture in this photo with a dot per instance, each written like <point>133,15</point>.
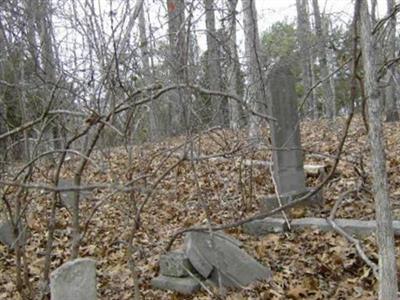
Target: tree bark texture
<point>303,37</point>
<point>214,74</point>
<point>385,238</point>
<point>234,67</point>
<point>177,62</point>
<point>329,100</point>
<point>254,66</point>
<point>391,108</point>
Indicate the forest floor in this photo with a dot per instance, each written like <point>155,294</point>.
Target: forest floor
<point>307,264</point>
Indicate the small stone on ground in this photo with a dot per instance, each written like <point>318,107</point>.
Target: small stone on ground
<point>185,285</point>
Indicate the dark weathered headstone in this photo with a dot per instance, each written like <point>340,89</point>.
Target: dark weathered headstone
<point>175,264</point>
<point>285,132</point>
<point>185,285</point>
<point>74,280</point>
<point>220,260</point>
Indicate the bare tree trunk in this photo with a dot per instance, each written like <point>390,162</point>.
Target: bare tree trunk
<point>177,61</point>
<point>385,238</point>
<point>3,118</point>
<point>147,74</point>
<point>213,64</point>
<point>329,100</point>
<point>48,57</point>
<point>254,65</point>
<point>303,36</point>
<point>391,109</point>
<point>234,67</point>
<point>331,65</point>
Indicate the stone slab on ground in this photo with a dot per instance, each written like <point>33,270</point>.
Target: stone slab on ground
<point>351,226</point>
<point>267,225</point>
<point>7,236</point>
<point>175,264</point>
<point>185,285</point>
<point>74,280</point>
<point>218,257</point>
<point>271,202</point>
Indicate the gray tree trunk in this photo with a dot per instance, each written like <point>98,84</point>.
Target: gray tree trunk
<point>177,62</point>
<point>213,64</point>
<point>391,109</point>
<point>254,66</point>
<point>3,127</point>
<point>147,74</point>
<point>329,100</point>
<point>330,54</point>
<point>47,56</point>
<point>234,67</point>
<point>303,36</point>
<point>385,238</point>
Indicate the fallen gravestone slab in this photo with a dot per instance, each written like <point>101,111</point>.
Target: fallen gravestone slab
<point>74,280</point>
<point>271,202</point>
<point>7,235</point>
<point>220,260</point>
<point>183,285</point>
<point>351,226</point>
<point>273,225</point>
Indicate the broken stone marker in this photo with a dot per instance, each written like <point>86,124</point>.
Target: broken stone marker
<point>176,274</point>
<point>220,260</point>
<point>7,235</point>
<point>74,280</point>
<point>183,285</point>
<point>175,264</point>
<point>285,131</point>
<point>265,226</point>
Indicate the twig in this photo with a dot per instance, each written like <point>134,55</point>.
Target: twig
<point>278,196</point>
<point>357,244</point>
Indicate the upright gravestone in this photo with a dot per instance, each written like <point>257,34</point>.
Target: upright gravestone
<point>67,197</point>
<point>285,132</point>
<point>74,280</point>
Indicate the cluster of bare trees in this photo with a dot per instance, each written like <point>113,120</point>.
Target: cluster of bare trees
<point>79,75</point>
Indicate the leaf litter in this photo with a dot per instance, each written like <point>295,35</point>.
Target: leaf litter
<point>306,264</point>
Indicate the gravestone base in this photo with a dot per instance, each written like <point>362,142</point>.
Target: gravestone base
<point>177,274</point>
<point>271,202</point>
